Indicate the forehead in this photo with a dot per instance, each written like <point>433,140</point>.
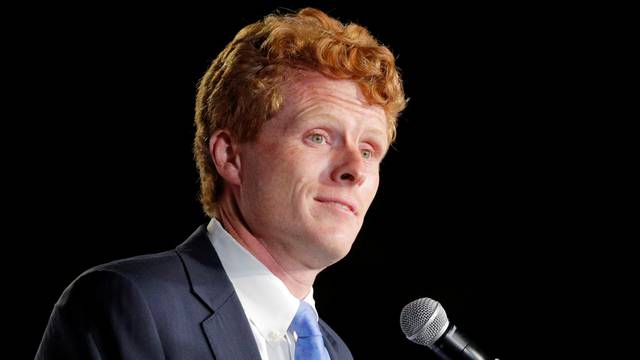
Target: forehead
<point>312,84</point>
<point>308,92</point>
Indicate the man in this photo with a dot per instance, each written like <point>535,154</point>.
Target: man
<point>293,119</point>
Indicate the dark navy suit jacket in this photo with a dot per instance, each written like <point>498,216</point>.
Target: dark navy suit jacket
<point>178,304</point>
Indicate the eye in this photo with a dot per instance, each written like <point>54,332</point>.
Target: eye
<point>366,153</point>
<point>317,139</point>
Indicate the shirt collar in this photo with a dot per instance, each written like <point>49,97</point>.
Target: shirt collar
<point>265,299</point>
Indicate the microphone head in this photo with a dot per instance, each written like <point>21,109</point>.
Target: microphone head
<point>423,321</point>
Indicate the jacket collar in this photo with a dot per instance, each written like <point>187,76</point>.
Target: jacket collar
<point>227,329</point>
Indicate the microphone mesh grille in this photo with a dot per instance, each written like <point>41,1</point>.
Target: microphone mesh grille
<point>423,321</point>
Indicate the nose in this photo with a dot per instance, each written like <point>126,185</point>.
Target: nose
<point>350,167</point>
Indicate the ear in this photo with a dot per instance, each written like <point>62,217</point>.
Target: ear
<point>225,154</point>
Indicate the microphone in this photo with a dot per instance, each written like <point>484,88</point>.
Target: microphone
<point>425,322</point>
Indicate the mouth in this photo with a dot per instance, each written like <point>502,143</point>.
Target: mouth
<point>340,203</point>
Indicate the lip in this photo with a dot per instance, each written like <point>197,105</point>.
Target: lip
<point>346,203</point>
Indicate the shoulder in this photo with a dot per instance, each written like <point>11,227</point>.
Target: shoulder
<point>138,274</point>
<point>108,308</point>
<point>144,268</point>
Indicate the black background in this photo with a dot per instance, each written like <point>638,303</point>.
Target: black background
<point>478,197</point>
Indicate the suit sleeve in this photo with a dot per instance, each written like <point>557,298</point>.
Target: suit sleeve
<point>101,315</point>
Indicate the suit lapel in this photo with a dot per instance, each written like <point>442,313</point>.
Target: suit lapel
<point>229,334</point>
<point>329,343</point>
<point>227,329</point>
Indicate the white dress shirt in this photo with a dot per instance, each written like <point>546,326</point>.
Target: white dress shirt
<point>266,300</point>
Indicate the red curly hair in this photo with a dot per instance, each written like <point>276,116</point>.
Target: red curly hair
<point>241,90</point>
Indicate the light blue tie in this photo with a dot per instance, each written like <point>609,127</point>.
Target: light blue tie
<point>309,345</point>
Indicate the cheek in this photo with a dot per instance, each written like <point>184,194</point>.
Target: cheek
<point>372,187</point>
<point>300,164</point>
<point>283,171</point>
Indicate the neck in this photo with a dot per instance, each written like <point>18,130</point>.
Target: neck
<point>297,277</point>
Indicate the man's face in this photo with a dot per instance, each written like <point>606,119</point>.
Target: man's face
<point>309,178</point>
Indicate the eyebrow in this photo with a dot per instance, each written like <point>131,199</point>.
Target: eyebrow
<point>336,119</point>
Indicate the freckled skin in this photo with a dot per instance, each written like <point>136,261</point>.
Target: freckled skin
<point>325,142</point>
<point>283,171</point>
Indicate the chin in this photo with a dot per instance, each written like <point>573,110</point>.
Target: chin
<point>332,241</point>
<point>336,247</point>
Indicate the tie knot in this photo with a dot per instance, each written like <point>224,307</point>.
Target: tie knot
<point>304,322</point>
